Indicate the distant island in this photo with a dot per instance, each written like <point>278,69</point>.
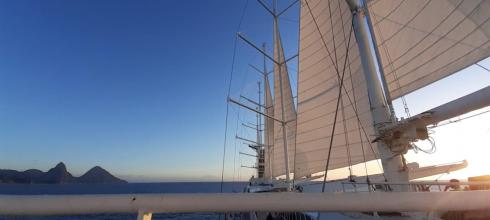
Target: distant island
<point>57,175</point>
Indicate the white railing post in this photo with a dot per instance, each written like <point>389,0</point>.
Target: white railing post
<point>143,215</point>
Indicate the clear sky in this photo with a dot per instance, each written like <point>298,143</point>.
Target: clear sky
<point>138,87</point>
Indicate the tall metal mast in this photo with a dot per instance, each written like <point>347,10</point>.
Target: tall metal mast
<point>259,118</point>
<point>265,135</point>
<point>283,117</point>
<point>378,92</point>
<point>279,64</point>
<point>260,147</point>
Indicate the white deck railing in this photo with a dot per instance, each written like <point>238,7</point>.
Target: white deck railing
<point>146,204</point>
<point>413,185</point>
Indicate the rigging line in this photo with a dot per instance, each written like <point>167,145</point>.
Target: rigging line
<point>323,22</point>
<point>327,29</point>
<point>321,36</point>
<point>406,23</point>
<point>333,35</point>
<point>349,159</point>
<point>438,55</point>
<point>336,112</point>
<point>235,43</point>
<point>347,94</point>
<point>362,126</point>
<point>488,70</point>
<point>445,172</point>
<point>443,66</point>
<point>235,146</point>
<point>391,12</point>
<point>460,119</point>
<point>297,92</point>
<point>358,126</point>
<point>287,8</point>
<point>397,80</point>
<point>240,167</point>
<point>288,19</point>
<point>427,32</point>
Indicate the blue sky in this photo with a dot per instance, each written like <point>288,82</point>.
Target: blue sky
<point>139,87</point>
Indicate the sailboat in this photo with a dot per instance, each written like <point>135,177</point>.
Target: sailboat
<point>355,58</point>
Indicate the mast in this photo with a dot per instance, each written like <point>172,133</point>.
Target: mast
<point>379,97</point>
<point>266,88</point>
<point>260,146</point>
<point>259,119</point>
<point>283,116</point>
<point>281,83</point>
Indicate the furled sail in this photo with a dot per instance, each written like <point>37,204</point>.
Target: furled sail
<point>281,79</point>
<point>422,41</point>
<point>269,129</point>
<point>318,90</point>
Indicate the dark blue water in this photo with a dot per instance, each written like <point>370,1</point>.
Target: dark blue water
<point>80,189</point>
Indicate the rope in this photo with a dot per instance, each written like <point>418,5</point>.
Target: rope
<point>460,119</point>
<point>336,112</point>
<point>349,157</point>
<point>321,35</point>
<point>397,80</point>
<point>391,12</point>
<point>333,36</point>
<point>431,150</point>
<point>235,43</point>
<point>235,147</point>
<point>358,126</point>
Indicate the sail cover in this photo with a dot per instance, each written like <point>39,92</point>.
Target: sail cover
<point>281,74</point>
<point>318,90</point>
<point>269,129</point>
<point>422,41</point>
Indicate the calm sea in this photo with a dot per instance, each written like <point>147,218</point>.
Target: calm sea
<point>80,189</point>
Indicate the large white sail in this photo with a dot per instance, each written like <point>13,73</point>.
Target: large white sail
<point>318,89</point>
<point>281,74</point>
<point>422,41</point>
<point>419,41</point>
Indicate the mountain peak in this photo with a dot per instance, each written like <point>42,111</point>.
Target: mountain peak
<point>60,166</point>
<point>58,174</point>
<point>98,168</point>
<point>99,175</point>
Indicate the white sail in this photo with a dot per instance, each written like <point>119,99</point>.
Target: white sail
<point>318,89</point>
<point>269,130</point>
<point>419,41</point>
<point>422,41</point>
<point>281,73</point>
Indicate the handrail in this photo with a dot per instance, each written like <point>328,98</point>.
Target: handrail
<point>243,202</point>
<point>434,183</point>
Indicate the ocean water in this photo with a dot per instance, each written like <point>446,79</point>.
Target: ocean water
<point>80,189</point>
